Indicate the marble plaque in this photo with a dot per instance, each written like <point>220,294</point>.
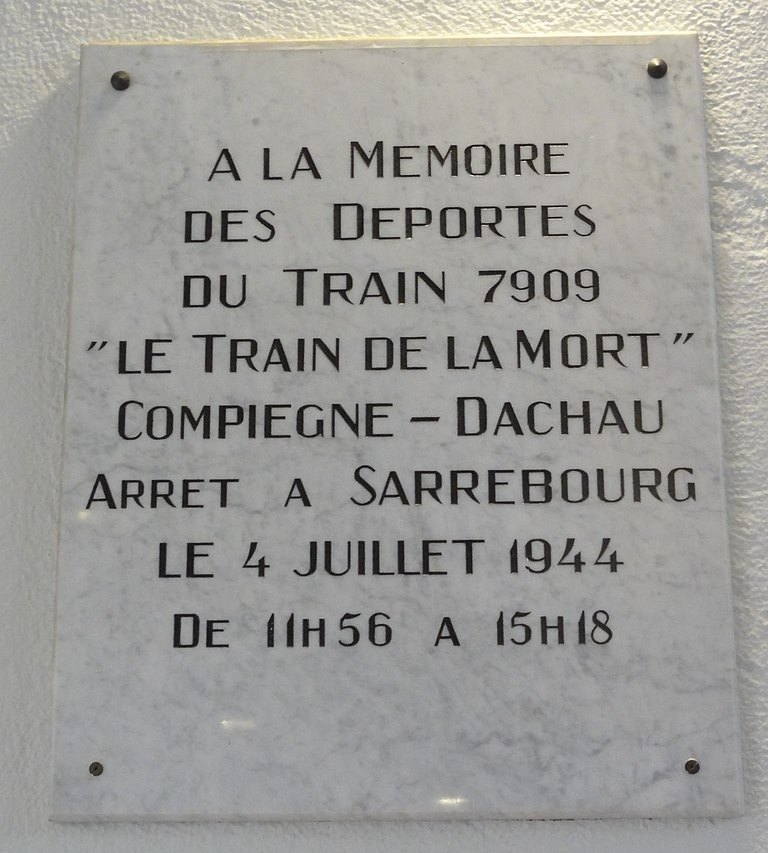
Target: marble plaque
<point>392,481</point>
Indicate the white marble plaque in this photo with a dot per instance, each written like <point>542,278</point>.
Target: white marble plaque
<point>392,480</point>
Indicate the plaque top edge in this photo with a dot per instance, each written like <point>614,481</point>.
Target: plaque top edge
<point>537,39</point>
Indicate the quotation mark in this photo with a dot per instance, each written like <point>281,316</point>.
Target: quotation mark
<point>98,345</point>
<point>682,336</point>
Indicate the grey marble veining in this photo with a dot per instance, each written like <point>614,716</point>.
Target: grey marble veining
<point>613,445</point>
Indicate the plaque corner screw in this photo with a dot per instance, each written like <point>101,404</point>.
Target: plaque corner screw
<point>96,768</point>
<point>692,766</point>
<point>657,68</point>
<point>120,80</point>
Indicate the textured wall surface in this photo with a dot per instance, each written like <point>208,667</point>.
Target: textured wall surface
<point>39,42</point>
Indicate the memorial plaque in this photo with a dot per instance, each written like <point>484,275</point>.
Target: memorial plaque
<point>392,481</point>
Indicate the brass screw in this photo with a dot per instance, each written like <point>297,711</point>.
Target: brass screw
<point>120,80</point>
<point>96,768</point>
<point>692,766</point>
<point>657,68</point>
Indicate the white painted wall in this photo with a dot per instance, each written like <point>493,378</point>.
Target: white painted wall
<point>39,42</point>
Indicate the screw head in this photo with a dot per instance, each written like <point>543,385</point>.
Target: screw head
<point>96,768</point>
<point>657,68</point>
<point>692,766</point>
<point>120,80</point>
